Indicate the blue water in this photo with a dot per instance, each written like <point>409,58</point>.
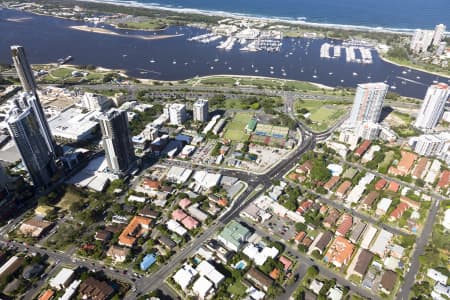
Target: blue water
<point>47,38</point>
<point>400,14</point>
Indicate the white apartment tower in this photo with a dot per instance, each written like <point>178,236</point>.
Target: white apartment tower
<point>421,40</point>
<point>368,103</point>
<point>177,113</point>
<point>439,32</point>
<point>432,107</point>
<point>200,110</point>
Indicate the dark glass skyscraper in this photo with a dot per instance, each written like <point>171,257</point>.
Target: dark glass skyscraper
<point>117,141</point>
<point>29,86</point>
<point>25,131</point>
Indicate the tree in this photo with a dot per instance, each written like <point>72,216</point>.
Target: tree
<point>300,227</point>
<point>312,271</point>
<point>319,171</point>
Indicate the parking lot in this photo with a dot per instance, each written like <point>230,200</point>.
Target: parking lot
<point>281,226</point>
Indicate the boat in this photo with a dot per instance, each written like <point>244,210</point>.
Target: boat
<point>229,68</point>
<point>212,67</point>
<point>355,74</point>
<point>174,62</point>
<point>256,71</point>
<point>330,73</point>
<point>314,76</point>
<point>216,60</point>
<point>404,72</point>
<point>152,61</point>
<point>393,87</point>
<point>124,55</point>
<point>271,72</point>
<point>62,61</point>
<point>369,77</point>
<point>342,80</point>
<point>417,77</point>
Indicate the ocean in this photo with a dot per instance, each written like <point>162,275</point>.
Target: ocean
<point>388,14</point>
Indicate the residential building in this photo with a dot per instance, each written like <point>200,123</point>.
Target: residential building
<point>200,110</point>
<point>92,288</point>
<point>383,206</point>
<point>29,86</point>
<point>37,158</point>
<point>35,227</point>
<point>421,40</point>
<point>23,69</point>
<point>363,262</point>
<point>323,242</point>
<point>368,201</point>
<point>340,252</point>
<point>368,103</point>
<point>117,142</point>
<point>357,232</point>
<point>117,253</point>
<point>63,279</point>
<point>388,281</point>
<point>368,236</point>
<point>11,266</point>
<point>431,144</point>
<point>343,188</point>
<point>437,276</point>
<point>202,287</point>
<point>176,113</point>
<point>344,223</point>
<point>210,272</point>
<point>420,168</point>
<point>135,229</point>
<point>432,107</point>
<point>234,235</point>
<point>404,165</point>
<point>381,243</point>
<point>439,34</point>
<point>259,278</point>
<point>95,102</point>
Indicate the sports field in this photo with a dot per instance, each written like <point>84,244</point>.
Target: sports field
<point>236,127</point>
<point>322,115</point>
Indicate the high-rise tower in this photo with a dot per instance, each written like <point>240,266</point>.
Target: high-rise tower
<point>368,103</point>
<point>116,141</point>
<point>433,106</point>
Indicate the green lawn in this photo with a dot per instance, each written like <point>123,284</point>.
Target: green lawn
<point>67,200</point>
<point>266,83</point>
<point>237,289</point>
<point>389,157</point>
<point>146,25</point>
<point>236,128</point>
<point>62,72</point>
<point>322,115</point>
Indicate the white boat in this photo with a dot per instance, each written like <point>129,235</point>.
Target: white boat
<point>152,61</point>
<point>330,73</point>
<point>417,77</point>
<point>212,67</point>
<point>355,74</point>
<point>404,72</point>
<point>271,72</point>
<point>256,71</point>
<point>174,62</point>
<point>314,76</point>
<point>342,80</point>
<point>393,87</point>
<point>229,68</point>
<point>216,60</point>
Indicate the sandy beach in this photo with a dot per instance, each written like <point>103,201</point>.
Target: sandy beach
<point>110,32</point>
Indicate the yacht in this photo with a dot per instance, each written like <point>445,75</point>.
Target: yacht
<point>152,61</point>
<point>355,74</point>
<point>174,62</point>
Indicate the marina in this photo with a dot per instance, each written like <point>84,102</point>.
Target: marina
<point>181,57</point>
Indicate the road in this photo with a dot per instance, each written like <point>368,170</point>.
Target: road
<point>419,250</point>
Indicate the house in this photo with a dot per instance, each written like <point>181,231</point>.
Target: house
<point>340,252</point>
<point>411,203</point>
<point>234,235</point>
<point>335,293</point>
<point>94,289</point>
<point>184,203</point>
<point>388,281</point>
<point>183,277</point>
<point>63,279</point>
<point>190,223</point>
<point>344,223</point>
<point>304,206</point>
<point>151,185</point>
<point>357,232</point>
<point>363,262</point>
<point>148,213</point>
<point>369,200</point>
<point>11,266</point>
<point>197,213</point>
<point>305,168</point>
<point>202,287</point>
<point>331,218</point>
<point>47,295</point>
<point>117,253</point>
<point>396,251</point>
<point>398,211</point>
<point>176,227</point>
<point>166,242</point>
<point>393,187</point>
<point>330,184</point>
<point>368,236</point>
<point>299,237</point>
<point>383,206</point>
<point>343,188</point>
<point>287,263</point>
<point>259,254</point>
<point>444,180</point>
<point>251,212</point>
<point>135,229</point>
<point>420,168</point>
<point>178,215</point>
<point>380,184</point>
<point>437,276</point>
<point>323,242</point>
<point>381,243</point>
<point>404,166</point>
<point>103,235</point>
<point>147,261</point>
<point>35,227</point>
<point>362,149</point>
<point>315,286</point>
<point>259,279</point>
